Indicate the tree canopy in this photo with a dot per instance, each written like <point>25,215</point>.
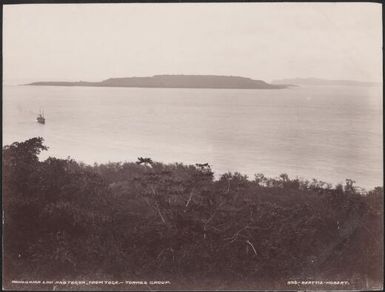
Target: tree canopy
<point>67,220</point>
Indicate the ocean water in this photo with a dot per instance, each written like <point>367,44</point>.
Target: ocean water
<point>327,132</point>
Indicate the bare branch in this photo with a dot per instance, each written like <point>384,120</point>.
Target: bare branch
<point>189,199</point>
<point>235,236</point>
<point>252,246</point>
<point>160,214</point>
<point>153,190</point>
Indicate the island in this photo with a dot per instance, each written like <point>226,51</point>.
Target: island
<point>173,81</point>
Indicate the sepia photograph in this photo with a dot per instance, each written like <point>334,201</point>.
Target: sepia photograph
<point>192,146</point>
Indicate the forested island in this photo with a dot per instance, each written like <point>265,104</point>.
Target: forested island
<point>173,81</point>
<point>145,220</point>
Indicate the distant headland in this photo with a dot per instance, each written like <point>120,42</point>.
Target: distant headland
<point>323,82</point>
<point>173,81</point>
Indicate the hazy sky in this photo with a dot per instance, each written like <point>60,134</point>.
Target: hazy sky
<point>258,40</point>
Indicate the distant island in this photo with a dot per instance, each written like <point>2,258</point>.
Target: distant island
<point>173,81</point>
<point>322,82</point>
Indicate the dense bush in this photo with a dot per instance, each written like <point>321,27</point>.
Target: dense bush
<point>66,220</point>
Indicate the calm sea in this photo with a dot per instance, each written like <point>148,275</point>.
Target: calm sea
<point>329,132</point>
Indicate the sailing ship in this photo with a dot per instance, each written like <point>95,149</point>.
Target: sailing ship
<point>40,118</point>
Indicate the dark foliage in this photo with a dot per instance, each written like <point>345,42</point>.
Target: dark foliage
<point>64,220</point>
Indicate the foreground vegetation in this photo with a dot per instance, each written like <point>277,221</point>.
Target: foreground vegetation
<point>148,220</point>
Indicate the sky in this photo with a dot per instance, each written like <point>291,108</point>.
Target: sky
<point>266,41</point>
